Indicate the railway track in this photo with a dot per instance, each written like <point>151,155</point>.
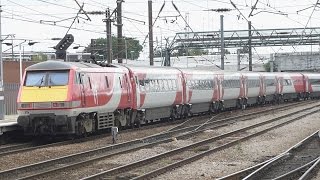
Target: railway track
<point>43,169</point>
<point>13,147</point>
<point>149,167</point>
<point>225,115</point>
<point>298,162</point>
<point>24,147</point>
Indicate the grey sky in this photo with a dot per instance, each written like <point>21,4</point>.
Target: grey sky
<point>17,12</point>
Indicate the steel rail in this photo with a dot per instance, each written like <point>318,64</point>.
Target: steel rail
<point>297,154</point>
<point>13,147</point>
<point>212,119</point>
<point>119,148</point>
<point>246,172</point>
<point>308,174</point>
<point>147,161</point>
<point>8,150</point>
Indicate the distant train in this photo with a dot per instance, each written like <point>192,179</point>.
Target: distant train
<point>60,98</point>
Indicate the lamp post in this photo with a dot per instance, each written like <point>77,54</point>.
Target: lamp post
<point>20,57</point>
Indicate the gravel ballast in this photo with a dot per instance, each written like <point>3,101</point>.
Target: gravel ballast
<point>248,153</point>
<point>216,165</point>
<point>43,154</point>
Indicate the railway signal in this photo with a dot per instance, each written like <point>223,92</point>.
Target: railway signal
<point>63,45</point>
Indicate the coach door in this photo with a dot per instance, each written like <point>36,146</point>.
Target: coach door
<point>82,89</point>
<point>220,79</point>
<point>244,80</point>
<point>128,88</point>
<point>279,85</point>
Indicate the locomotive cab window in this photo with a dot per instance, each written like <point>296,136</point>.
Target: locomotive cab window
<point>47,78</point>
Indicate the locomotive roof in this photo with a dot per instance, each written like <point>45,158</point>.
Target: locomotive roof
<point>61,65</point>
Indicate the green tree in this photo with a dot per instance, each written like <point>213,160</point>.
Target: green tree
<point>99,48</point>
<point>39,57</point>
<point>267,67</point>
<point>192,52</point>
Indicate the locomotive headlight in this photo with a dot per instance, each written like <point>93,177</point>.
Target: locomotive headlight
<point>60,105</point>
<point>25,105</point>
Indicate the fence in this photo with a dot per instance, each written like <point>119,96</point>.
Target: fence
<point>10,97</point>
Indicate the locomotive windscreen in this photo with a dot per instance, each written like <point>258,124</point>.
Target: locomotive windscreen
<point>47,78</point>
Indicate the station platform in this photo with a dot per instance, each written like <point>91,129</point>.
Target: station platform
<point>9,124</point>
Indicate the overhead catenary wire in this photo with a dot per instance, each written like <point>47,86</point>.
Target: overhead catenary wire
<point>61,26</point>
<point>164,3</point>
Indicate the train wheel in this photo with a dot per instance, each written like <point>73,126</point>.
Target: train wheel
<point>238,104</point>
<point>138,124</point>
<point>212,108</point>
<point>81,131</point>
<point>118,124</point>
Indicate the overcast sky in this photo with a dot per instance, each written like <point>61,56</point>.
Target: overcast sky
<point>23,17</point>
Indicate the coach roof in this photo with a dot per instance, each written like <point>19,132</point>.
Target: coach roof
<point>61,65</point>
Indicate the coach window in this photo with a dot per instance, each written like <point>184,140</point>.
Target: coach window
<point>174,85</point>
<point>287,82</point>
<point>207,84</point>
<point>165,85</point>
<point>270,82</point>
<point>120,82</point>
<point>314,81</point>
<point>201,85</point>
<point>160,81</point>
<point>80,78</point>
<point>257,83</point>
<point>196,84</point>
<point>156,85</point>
<point>151,85</point>
<point>90,82</point>
<point>210,84</point>
<point>147,84</point>
<point>162,85</point>
<point>107,82</point>
<point>232,84</point>
<point>169,84</point>
<point>141,82</point>
<point>225,83</point>
<point>189,84</point>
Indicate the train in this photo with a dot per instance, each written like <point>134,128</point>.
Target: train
<point>77,98</point>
